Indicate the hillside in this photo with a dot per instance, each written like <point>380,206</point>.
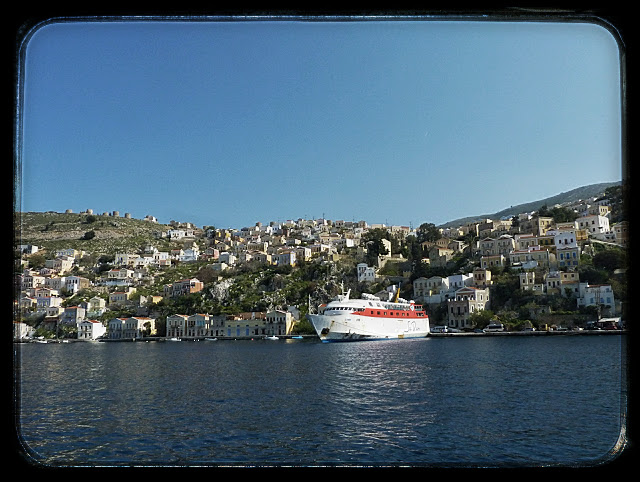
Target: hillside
<point>583,192</point>
<point>53,231</point>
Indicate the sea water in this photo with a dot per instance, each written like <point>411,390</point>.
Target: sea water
<point>436,402</point>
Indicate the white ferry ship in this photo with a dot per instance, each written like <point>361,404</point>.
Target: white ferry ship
<point>369,318</point>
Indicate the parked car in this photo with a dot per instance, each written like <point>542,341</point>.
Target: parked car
<point>492,327</point>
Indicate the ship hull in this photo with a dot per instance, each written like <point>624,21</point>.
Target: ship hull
<point>352,327</point>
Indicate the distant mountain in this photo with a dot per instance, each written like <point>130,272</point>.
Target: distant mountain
<point>583,192</point>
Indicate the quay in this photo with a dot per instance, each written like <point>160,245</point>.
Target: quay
<point>532,333</point>
<point>315,337</point>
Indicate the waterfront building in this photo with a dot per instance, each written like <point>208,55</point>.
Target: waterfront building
<point>176,326</point>
<point>198,325</point>
<point>466,301</point>
<point>278,322</point>
<point>90,330</point>
<point>115,328</point>
<point>245,324</point>
<point>130,328</point>
<point>599,295</point>
<point>22,331</point>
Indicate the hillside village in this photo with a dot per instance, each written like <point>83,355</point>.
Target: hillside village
<point>557,267</point>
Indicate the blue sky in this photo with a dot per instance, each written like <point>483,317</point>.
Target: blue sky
<point>236,122</point>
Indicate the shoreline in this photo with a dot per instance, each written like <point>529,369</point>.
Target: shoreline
<point>163,339</point>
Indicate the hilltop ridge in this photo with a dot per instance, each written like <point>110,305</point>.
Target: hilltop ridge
<point>576,194</point>
<point>120,233</point>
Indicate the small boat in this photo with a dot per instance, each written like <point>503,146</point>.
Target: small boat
<point>174,339</point>
<point>271,338</point>
<point>210,339</point>
<point>298,337</point>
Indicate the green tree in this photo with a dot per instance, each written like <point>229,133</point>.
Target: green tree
<point>610,259</point>
<point>375,247</point>
<point>481,318</point>
<point>428,232</point>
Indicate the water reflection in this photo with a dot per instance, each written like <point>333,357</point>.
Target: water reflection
<point>432,401</point>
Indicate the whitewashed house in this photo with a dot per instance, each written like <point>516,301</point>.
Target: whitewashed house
<point>31,280</point>
<point>22,331</point>
<point>594,224</point>
<point>190,254</point>
<point>161,258</point>
<point>227,258</point>
<point>457,281</point>
<point>366,273</point>
<point>118,277</point>
<point>73,284</point>
<point>90,330</point>
<point>596,295</point>
<point>431,290</point>
<point>27,248</point>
